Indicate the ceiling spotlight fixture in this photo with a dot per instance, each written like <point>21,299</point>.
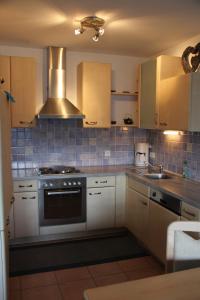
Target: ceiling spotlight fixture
<point>92,22</point>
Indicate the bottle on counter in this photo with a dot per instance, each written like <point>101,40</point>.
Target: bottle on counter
<point>185,169</point>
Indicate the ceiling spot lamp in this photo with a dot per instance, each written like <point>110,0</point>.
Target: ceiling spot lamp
<point>91,22</point>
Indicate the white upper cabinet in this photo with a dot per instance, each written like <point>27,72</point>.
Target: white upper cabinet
<point>94,93</point>
<point>156,103</point>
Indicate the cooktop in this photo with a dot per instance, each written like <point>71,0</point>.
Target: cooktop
<point>57,170</point>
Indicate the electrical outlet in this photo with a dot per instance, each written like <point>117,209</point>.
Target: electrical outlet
<point>189,147</point>
<point>107,153</point>
<point>152,154</point>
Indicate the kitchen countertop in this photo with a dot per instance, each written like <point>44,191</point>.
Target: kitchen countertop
<point>183,189</point>
<point>182,285</point>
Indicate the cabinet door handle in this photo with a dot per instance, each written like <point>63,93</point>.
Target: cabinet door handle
<point>2,80</point>
<point>189,213</point>
<point>91,123</point>
<point>25,123</point>
<point>104,181</point>
<point>144,203</point>
<point>24,198</point>
<point>163,123</point>
<point>12,200</point>
<point>32,197</point>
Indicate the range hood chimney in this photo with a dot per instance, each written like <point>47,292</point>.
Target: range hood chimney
<point>57,106</point>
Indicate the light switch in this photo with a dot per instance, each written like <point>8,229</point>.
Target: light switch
<point>107,153</point>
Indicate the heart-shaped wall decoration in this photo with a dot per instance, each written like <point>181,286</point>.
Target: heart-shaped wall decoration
<point>191,59</point>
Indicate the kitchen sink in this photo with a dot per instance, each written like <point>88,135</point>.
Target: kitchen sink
<point>157,176</point>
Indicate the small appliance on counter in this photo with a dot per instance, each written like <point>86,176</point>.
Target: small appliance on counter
<point>141,154</point>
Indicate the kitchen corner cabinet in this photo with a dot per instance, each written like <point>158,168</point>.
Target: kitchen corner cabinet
<point>93,93</point>
<point>155,104</point>
<point>23,88</point>
<point>137,209</point>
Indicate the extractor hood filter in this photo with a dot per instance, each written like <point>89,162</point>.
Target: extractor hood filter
<point>57,106</point>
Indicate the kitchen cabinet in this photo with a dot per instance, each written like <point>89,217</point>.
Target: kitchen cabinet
<point>182,94</point>
<point>137,209</point>
<point>23,89</point>
<point>5,141</point>
<point>93,93</point>
<point>26,211</point>
<point>100,202</point>
<point>159,220</point>
<point>157,109</point>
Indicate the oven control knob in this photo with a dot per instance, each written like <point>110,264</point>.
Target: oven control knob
<point>74,182</point>
<point>45,185</point>
<point>64,183</point>
<point>69,183</point>
<point>50,184</point>
<point>79,183</point>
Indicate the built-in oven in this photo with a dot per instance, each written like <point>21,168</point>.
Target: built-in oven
<point>62,201</point>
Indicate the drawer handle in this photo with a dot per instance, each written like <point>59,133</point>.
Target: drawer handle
<point>144,203</point>
<point>32,197</point>
<point>22,186</point>
<point>103,181</point>
<point>189,213</point>
<point>91,123</point>
<point>24,198</point>
<point>163,123</point>
<point>99,193</point>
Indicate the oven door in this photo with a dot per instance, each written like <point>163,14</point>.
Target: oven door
<point>62,206</point>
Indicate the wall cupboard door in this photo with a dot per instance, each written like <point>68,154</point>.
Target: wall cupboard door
<point>23,88</point>
<point>94,93</point>
<point>26,214</point>
<point>100,208</point>
<point>137,214</point>
<point>5,141</point>
<point>157,109</point>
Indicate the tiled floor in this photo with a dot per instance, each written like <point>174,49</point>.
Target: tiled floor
<point>69,284</point>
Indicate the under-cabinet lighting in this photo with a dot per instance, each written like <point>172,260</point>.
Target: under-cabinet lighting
<point>172,132</point>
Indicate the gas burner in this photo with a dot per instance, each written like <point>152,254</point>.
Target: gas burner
<point>57,170</point>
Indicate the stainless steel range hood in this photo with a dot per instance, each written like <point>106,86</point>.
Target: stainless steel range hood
<point>57,106</point>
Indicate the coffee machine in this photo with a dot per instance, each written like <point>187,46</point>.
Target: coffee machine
<point>141,154</point>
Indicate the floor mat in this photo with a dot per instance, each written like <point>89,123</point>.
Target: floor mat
<point>41,258</point>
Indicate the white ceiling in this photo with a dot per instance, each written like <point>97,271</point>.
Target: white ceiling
<point>133,27</point>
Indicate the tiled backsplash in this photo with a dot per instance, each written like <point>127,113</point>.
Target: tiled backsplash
<point>171,151</point>
<point>66,142</point>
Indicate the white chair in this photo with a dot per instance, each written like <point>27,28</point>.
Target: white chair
<point>183,251</point>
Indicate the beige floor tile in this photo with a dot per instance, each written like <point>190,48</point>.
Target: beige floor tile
<point>14,295</point>
<point>73,274</point>
<point>37,280</point>
<point>74,290</point>
<point>110,279</point>
<point>50,292</point>
<point>134,264</point>
<point>104,269</point>
<point>14,283</point>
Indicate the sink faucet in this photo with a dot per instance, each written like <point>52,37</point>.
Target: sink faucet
<point>160,167</point>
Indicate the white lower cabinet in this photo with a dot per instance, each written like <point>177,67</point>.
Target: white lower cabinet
<point>159,220</point>
<point>26,214</point>
<point>137,214</point>
<point>100,208</point>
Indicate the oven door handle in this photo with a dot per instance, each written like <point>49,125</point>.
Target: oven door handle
<point>63,193</point>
